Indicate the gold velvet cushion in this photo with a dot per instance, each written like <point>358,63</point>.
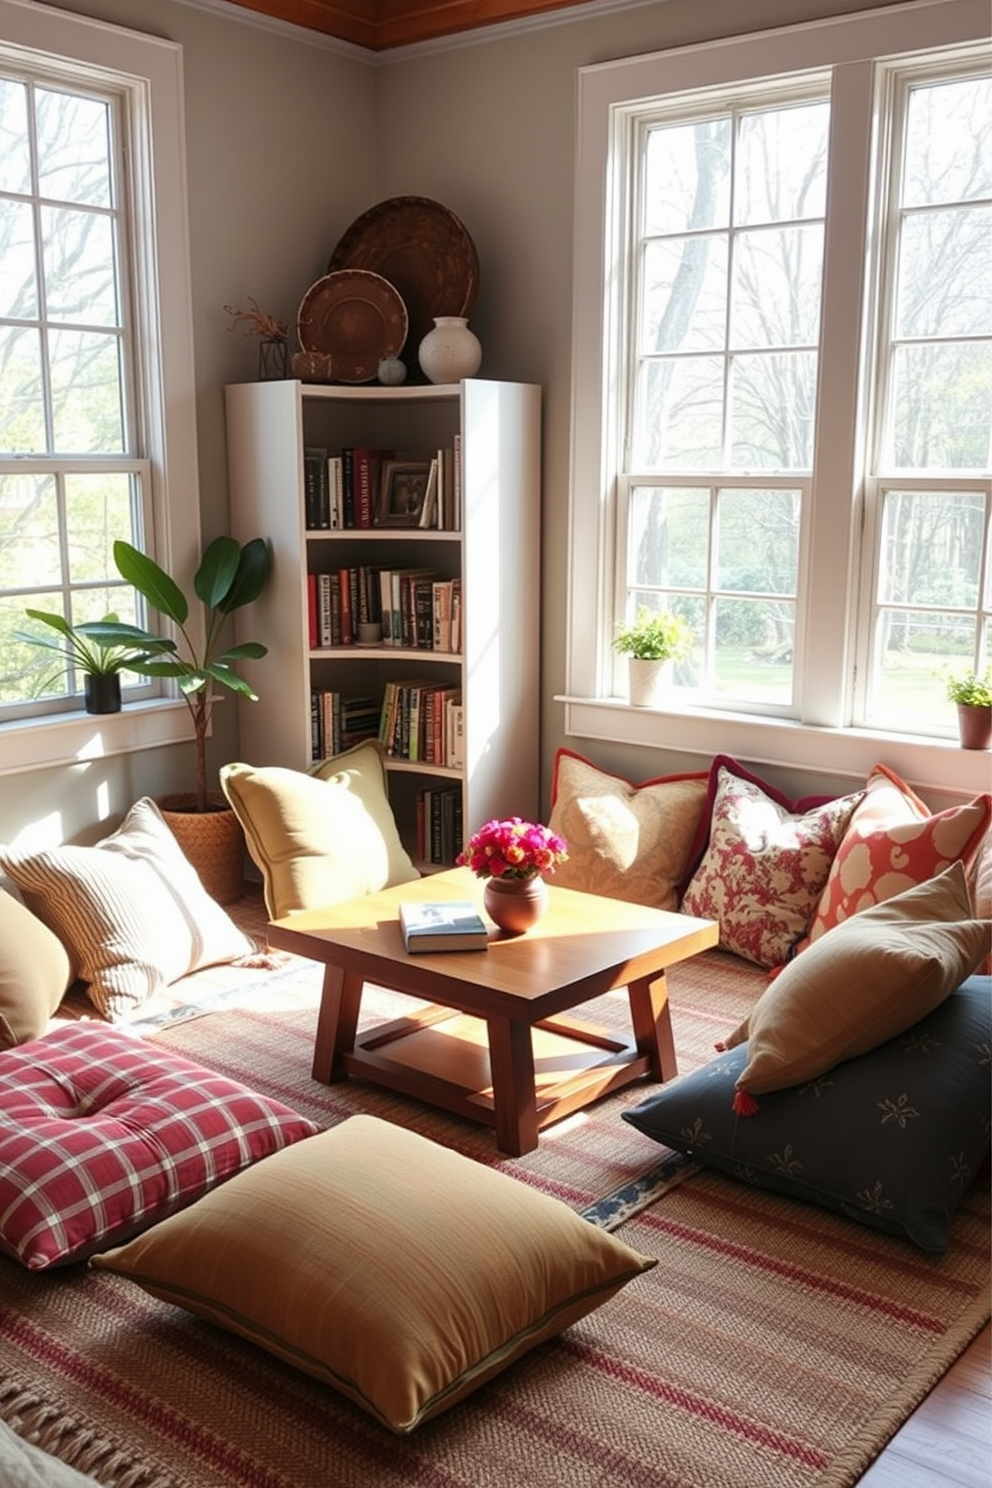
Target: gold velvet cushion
<point>631,842</point>
<point>868,980</point>
<point>322,836</point>
<point>131,911</point>
<point>35,973</point>
<point>393,1269</point>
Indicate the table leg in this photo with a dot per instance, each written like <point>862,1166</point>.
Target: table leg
<point>511,1067</point>
<point>651,1017</point>
<point>337,1023</point>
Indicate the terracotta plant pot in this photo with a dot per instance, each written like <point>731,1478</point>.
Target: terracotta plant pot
<point>212,840</point>
<point>975,725</point>
<point>515,904</point>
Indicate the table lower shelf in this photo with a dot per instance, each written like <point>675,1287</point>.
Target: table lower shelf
<point>441,1056</point>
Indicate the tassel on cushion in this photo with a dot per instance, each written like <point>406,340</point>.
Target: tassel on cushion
<point>744,1104</point>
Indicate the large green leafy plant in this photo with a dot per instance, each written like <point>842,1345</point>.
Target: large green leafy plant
<point>229,576</point>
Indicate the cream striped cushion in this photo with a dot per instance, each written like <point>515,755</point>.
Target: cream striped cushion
<point>131,911</point>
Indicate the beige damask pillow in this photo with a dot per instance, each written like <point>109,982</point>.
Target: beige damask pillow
<point>631,842</point>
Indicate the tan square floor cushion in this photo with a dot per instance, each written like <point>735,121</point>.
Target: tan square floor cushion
<point>322,836</point>
<point>35,973</point>
<point>397,1271</point>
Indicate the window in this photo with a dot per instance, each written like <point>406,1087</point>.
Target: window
<point>784,262</point>
<point>96,425</point>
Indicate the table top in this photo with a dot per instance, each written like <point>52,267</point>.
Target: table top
<point>586,944</point>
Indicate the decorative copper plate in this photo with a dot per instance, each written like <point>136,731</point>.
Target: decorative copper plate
<point>356,318</point>
<point>422,248</point>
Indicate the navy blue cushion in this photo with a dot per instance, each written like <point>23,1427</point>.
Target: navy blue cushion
<point>892,1138</point>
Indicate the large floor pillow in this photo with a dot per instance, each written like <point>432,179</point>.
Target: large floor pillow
<point>891,1139</point>
<point>102,1135</point>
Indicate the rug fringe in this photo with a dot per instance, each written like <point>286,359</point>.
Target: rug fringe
<point>44,1426</point>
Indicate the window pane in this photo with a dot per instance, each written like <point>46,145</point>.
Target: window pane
<point>86,392</point>
<point>80,272</point>
<point>945,274</point>
<point>679,422</point>
<point>776,293</point>
<point>687,168</point>
<point>18,282</point>
<point>753,655</point>
<point>931,548</point>
<point>782,164</point>
<point>668,534</point>
<point>98,510</point>
<point>22,407</point>
<point>29,532</point>
<point>757,548</point>
<point>773,403</point>
<point>942,401</point>
<point>914,652</point>
<point>73,148</point>
<point>15,157</point>
<point>685,294</point>
<point>948,142</point>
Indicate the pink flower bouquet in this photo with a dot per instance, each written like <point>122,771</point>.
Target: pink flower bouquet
<point>513,849</point>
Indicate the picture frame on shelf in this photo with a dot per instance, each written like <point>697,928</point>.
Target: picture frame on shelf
<point>402,493</point>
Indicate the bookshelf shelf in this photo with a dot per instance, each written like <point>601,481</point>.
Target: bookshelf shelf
<point>493,556</point>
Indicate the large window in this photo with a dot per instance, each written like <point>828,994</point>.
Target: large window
<point>790,442</point>
<point>96,424</point>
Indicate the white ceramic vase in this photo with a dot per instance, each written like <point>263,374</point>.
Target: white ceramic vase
<point>450,351</point>
<point>648,681</point>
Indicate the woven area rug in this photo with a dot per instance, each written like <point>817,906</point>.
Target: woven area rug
<point>774,1344</point>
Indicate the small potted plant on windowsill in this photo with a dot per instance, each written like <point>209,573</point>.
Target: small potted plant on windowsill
<point>973,695</point>
<point>98,649</point>
<point>652,642</point>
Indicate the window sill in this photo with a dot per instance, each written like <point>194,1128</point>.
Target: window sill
<point>76,738</point>
<point>928,764</point>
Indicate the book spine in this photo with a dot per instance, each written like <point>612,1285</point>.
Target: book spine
<point>336,492</point>
<point>312,630</point>
<point>348,485</point>
<point>344,591</point>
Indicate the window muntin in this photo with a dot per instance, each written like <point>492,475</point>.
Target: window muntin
<point>71,476</point>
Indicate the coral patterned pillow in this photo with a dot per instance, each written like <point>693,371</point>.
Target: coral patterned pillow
<point>893,843</point>
<point>764,868</point>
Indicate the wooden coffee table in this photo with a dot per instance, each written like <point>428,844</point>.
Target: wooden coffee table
<point>492,1044</point>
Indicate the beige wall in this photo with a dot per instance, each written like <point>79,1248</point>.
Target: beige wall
<point>288,141</point>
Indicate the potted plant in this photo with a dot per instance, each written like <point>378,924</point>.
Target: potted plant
<point>98,649</point>
<point>229,576</point>
<point>972,693</point>
<point>652,642</point>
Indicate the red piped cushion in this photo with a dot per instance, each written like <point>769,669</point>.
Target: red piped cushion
<point>102,1135</point>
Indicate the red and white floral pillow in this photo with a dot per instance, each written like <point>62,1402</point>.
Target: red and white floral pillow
<point>765,865</point>
<point>102,1136</point>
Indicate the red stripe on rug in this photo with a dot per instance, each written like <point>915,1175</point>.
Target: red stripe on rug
<point>791,1272</point>
<point>717,1415</point>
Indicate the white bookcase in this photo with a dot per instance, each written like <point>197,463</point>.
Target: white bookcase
<point>495,555</point>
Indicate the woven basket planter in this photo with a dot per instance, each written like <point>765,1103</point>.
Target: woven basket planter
<point>212,840</point>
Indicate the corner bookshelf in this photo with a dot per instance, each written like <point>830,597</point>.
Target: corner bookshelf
<point>494,554</point>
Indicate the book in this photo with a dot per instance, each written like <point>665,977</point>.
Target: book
<point>457,926</point>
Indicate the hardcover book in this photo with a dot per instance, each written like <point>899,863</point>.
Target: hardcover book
<point>442,927</point>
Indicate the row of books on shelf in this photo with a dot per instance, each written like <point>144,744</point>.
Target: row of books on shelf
<point>423,721</point>
<point>337,723</point>
<point>439,824</point>
<point>411,607</point>
<point>364,486</point>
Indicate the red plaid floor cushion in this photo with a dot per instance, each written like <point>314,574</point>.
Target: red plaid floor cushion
<point>102,1135</point>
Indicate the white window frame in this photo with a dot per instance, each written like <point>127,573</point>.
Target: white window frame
<point>820,742</point>
<point>149,70</point>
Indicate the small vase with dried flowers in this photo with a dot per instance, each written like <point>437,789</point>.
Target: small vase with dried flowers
<point>273,350</point>
<point>512,856</point>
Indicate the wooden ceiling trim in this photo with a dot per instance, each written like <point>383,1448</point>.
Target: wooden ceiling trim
<point>380,25</point>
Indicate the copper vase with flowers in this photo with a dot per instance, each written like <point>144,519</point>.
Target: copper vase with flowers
<point>512,856</point>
